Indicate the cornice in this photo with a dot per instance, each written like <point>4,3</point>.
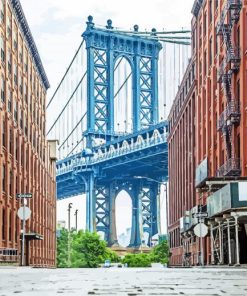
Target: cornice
<point>18,11</point>
<point>197,7</point>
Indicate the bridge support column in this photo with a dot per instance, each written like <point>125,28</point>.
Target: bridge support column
<point>154,210</point>
<point>90,205</point>
<point>150,210</point>
<point>113,230</point>
<point>137,227</point>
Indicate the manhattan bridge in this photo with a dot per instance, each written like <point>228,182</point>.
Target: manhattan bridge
<point>106,115</point>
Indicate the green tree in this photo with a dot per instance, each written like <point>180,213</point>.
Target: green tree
<point>112,256</point>
<point>160,253</point>
<point>62,248</point>
<point>87,249</point>
<point>137,260</point>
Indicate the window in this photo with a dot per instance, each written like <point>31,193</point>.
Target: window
<point>27,162</point>
<point>210,11</point>
<point>16,225</point>
<point>3,133</point>
<point>25,62</point>
<point>2,49</point>
<point>194,39</point>
<point>15,75</point>
<point>22,155</point>
<point>16,148</point>
<point>10,228</point>
<point>200,35</point>
<point>238,146</point>
<point>10,101</point>
<point>4,177</point>
<point>15,111</point>
<point>9,27</point>
<point>21,55</point>
<point>20,86</point>
<point>216,43</point>
<point>238,37</point>
<point>25,93</point>
<point>238,92</point>
<point>210,51</point>
<point>25,124</point>
<point>3,224</point>
<point>21,119</point>
<point>2,11</point>
<point>2,89</point>
<point>205,24</point>
<point>15,39</point>
<point>205,62</point>
<point>11,141</point>
<point>9,61</point>
<point>10,183</point>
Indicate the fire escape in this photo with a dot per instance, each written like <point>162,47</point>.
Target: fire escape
<point>229,66</point>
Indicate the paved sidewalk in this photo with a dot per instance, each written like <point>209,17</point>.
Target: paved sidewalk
<point>123,281</point>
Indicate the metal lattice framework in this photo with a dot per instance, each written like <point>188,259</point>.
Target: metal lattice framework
<point>102,195</point>
<point>104,49</point>
<point>100,91</point>
<point>146,91</point>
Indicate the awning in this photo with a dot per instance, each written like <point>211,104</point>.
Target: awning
<point>33,236</point>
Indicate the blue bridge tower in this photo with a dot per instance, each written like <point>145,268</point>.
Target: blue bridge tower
<point>136,161</point>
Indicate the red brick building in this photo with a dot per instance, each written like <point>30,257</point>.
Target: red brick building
<point>181,143</point>
<point>219,46</point>
<point>27,160</point>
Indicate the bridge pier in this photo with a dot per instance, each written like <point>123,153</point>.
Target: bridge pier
<point>90,204</point>
<point>136,228</point>
<point>145,210</point>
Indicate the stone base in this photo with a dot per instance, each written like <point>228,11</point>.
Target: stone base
<point>122,251</point>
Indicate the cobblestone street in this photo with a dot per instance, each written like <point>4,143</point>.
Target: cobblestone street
<point>125,281</point>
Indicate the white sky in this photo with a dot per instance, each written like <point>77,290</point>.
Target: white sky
<point>57,26</point>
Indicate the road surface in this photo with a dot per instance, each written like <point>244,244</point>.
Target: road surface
<point>123,281</point>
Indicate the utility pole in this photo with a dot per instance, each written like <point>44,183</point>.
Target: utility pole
<point>69,209</point>
<point>76,213</point>
<point>23,233</point>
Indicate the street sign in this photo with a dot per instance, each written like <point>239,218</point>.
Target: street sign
<point>200,215</point>
<point>24,213</point>
<point>201,230</point>
<point>24,195</point>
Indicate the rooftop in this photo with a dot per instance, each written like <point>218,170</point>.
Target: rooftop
<point>17,8</point>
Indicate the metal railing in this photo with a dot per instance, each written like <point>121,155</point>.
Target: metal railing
<point>110,153</point>
<point>230,168</point>
<point>233,111</point>
<point>221,120</point>
<point>8,255</point>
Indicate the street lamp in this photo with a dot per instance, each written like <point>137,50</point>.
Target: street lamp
<point>69,208</point>
<point>76,213</point>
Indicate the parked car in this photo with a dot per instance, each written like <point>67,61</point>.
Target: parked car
<point>107,263</point>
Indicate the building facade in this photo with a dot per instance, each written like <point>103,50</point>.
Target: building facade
<point>27,160</point>
<point>219,46</point>
<point>181,160</point>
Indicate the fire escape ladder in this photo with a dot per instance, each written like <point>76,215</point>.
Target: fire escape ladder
<point>229,65</point>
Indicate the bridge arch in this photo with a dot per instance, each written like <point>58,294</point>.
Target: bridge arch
<point>123,216</point>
